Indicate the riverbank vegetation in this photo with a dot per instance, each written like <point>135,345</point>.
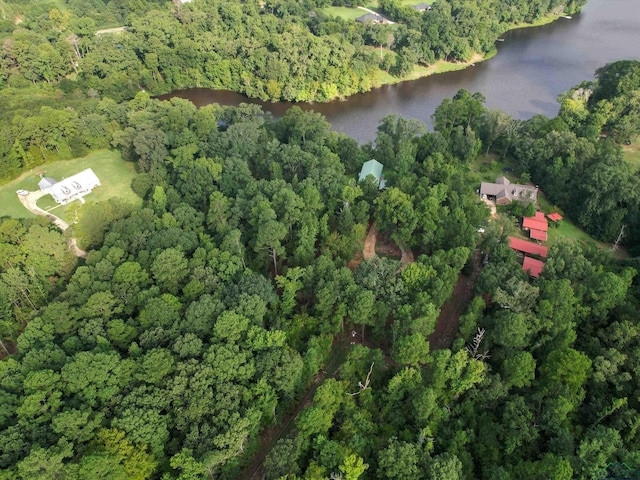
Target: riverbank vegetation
<point>202,318</point>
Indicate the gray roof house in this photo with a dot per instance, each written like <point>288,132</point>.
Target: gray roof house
<point>504,192</point>
<point>421,7</point>
<point>370,18</point>
<point>46,182</point>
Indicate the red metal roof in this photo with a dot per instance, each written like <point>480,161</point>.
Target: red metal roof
<point>554,217</point>
<point>528,247</point>
<point>538,234</point>
<point>532,266</point>
<point>535,223</point>
<point>539,216</point>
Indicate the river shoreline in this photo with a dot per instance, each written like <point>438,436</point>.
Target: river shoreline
<point>442,66</point>
<point>384,79</point>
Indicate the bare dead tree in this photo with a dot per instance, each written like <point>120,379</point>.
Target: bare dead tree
<point>619,239</point>
<point>473,347</point>
<point>366,383</point>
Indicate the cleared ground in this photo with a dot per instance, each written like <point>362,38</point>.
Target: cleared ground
<point>114,173</point>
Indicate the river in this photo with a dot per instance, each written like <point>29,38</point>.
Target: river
<point>532,67</point>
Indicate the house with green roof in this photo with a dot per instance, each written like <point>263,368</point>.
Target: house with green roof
<point>372,167</point>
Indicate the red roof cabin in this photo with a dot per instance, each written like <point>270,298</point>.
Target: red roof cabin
<point>532,266</point>
<point>554,217</point>
<point>528,247</point>
<point>538,235</point>
<point>537,222</point>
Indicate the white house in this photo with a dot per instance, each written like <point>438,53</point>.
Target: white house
<point>75,186</point>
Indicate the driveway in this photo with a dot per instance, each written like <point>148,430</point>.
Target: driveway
<point>492,205</point>
<point>29,201</point>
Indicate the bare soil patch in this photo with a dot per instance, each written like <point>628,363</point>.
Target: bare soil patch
<point>369,250</point>
<point>492,205</point>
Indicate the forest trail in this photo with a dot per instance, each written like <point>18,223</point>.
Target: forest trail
<point>370,243</point>
<point>255,470</point>
<point>449,318</point>
<point>30,203</point>
<point>492,206</point>
<point>407,257</point>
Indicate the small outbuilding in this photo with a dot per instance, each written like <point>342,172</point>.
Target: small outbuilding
<point>554,217</point>
<point>532,266</point>
<point>524,246</point>
<point>538,235</point>
<point>373,168</point>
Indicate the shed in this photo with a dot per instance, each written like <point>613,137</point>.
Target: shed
<point>532,266</point>
<point>538,235</point>
<point>372,167</point>
<point>533,223</point>
<point>528,247</point>
<point>554,217</point>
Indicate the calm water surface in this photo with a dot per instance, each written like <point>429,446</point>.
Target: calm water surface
<point>532,67</point>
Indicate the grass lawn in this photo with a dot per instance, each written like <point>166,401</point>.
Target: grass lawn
<point>347,13</point>
<point>114,173</point>
<point>567,230</point>
<point>419,71</point>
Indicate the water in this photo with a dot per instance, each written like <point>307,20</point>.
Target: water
<point>532,67</point>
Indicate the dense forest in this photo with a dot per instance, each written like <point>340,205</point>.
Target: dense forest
<point>59,77</point>
<point>280,50</point>
<point>201,319</point>
<point>208,315</point>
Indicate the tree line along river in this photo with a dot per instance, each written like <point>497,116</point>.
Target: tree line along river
<point>532,67</point>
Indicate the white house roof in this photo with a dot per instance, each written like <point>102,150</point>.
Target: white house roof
<point>74,186</point>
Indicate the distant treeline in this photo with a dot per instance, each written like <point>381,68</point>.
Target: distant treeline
<point>275,50</point>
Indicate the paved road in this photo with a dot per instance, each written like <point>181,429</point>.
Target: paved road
<point>30,202</point>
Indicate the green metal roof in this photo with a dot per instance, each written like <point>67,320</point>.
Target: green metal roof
<point>372,167</point>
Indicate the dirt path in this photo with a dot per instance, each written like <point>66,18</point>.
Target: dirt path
<point>492,206</point>
<point>268,438</point>
<point>370,243</point>
<point>30,202</point>
<point>449,318</point>
<point>112,30</point>
<point>407,257</point>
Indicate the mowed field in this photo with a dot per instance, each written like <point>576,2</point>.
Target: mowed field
<point>347,13</point>
<point>114,173</point>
